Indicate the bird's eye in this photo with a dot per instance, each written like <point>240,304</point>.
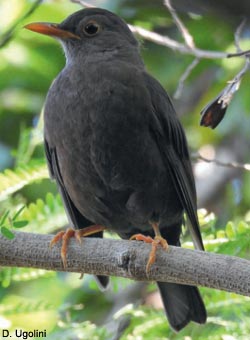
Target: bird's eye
<point>92,28</point>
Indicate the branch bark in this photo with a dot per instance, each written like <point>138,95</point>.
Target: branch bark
<point>128,259</point>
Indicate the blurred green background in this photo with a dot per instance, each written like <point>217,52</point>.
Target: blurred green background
<point>69,308</point>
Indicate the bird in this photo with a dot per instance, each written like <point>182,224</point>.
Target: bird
<point>116,148</point>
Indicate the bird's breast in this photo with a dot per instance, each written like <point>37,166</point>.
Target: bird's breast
<point>110,162</point>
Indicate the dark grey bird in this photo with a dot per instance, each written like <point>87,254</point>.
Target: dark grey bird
<point>116,148</point>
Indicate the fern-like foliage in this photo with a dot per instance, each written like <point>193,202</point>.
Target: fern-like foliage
<point>146,322</point>
<point>23,307</point>
<point>45,216</point>
<point>14,180</point>
<point>12,274</point>
<point>77,331</point>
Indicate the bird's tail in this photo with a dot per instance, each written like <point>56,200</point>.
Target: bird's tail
<point>182,304</point>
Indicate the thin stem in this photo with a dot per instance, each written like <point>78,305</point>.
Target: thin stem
<point>180,25</point>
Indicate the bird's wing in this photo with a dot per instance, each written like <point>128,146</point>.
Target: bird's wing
<point>172,144</point>
<point>77,219</point>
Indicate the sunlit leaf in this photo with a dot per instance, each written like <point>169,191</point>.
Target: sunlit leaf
<point>46,215</point>
<point>3,218</point>
<point>20,224</point>
<point>14,180</point>
<point>19,211</point>
<point>7,233</point>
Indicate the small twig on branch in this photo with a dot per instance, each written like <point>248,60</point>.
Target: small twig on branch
<point>237,35</point>
<point>236,165</point>
<point>184,77</point>
<point>180,25</point>
<point>83,3</point>
<point>213,113</point>
<point>128,259</point>
<point>239,75</point>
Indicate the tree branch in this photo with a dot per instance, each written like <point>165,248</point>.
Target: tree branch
<point>128,259</point>
<point>198,157</point>
<point>180,25</point>
<point>184,77</point>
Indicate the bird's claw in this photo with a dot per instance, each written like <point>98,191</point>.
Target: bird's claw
<point>69,233</point>
<point>156,242</point>
<point>64,236</point>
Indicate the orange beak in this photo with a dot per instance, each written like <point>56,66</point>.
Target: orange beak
<point>50,29</point>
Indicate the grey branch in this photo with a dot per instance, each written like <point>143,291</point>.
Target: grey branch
<point>184,77</point>
<point>180,25</point>
<point>237,35</point>
<point>236,165</point>
<point>128,259</point>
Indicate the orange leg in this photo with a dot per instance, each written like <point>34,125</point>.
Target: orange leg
<point>69,233</point>
<point>157,241</point>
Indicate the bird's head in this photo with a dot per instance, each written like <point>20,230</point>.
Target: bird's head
<point>89,32</point>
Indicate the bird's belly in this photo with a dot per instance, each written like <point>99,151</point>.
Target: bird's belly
<point>123,211</point>
<point>114,191</point>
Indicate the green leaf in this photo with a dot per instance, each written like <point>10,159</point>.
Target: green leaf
<point>6,277</point>
<point>19,211</point>
<point>20,224</point>
<point>3,218</point>
<point>242,227</point>
<point>220,234</point>
<point>230,230</point>
<point>45,215</point>
<point>7,233</point>
<point>14,180</point>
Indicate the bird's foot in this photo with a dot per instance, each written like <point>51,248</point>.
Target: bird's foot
<point>156,242</point>
<point>65,236</point>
